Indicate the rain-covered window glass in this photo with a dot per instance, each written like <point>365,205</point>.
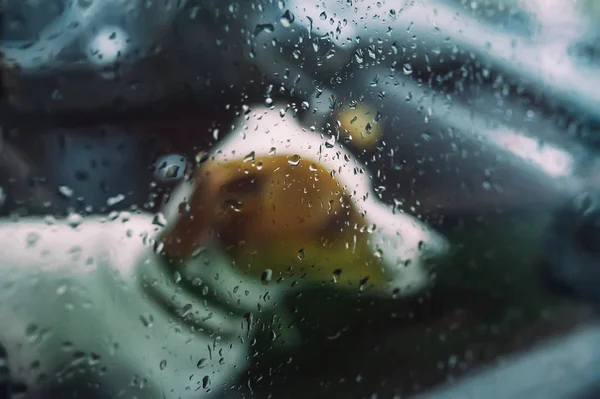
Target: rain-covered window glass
<point>299,199</point>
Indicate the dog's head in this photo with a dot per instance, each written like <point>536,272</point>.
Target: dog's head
<point>283,201</point>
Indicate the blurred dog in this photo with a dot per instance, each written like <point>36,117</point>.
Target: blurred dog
<point>167,305</point>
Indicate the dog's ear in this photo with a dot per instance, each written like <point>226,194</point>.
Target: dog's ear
<point>192,221</point>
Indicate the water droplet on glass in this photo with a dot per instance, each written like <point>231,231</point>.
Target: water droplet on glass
<point>301,254</point>
<point>93,359</point>
<point>163,364</point>
<point>32,239</point>
<point>170,168</point>
<point>201,363</point>
<point>158,247</point>
<point>201,157</point>
<point>268,102</point>
<point>363,282</point>
<point>74,219</point>
<point>358,56</point>
<point>305,105</point>
<point>332,101</point>
<point>272,151</point>
<point>205,381</point>
<point>234,204</point>
<point>250,157</point>
<point>159,220</point>
<point>147,320</point>
<point>287,19</point>
<point>294,160</point>
<point>67,346</point>
<point>176,277</point>
<point>407,69</point>
<point>32,332</point>
<point>267,28</point>
<point>65,191</point>
<point>198,251</point>
<point>266,276</point>
<point>323,16</point>
<point>111,201</point>
<point>330,142</point>
<point>61,290</point>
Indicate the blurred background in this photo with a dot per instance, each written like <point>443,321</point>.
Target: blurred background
<point>484,118</point>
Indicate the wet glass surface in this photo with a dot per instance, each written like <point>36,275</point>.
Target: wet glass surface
<point>350,199</point>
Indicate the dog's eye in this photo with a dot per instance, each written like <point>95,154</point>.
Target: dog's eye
<point>247,185</point>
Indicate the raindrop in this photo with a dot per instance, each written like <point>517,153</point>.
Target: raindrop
<point>358,56</point>
<point>176,277</point>
<point>268,102</point>
<point>407,69</point>
<point>32,239</point>
<point>67,346</point>
<point>205,381</point>
<point>93,359</point>
<point>111,201</point>
<point>250,157</point>
<point>163,364</point>
<point>74,219</point>
<point>159,220</point>
<point>294,160</point>
<point>198,251</point>
<point>61,290</point>
<point>266,276</point>
<point>332,101</point>
<point>287,19</point>
<point>305,105</point>
<point>301,254</point>
<point>363,282</point>
<point>32,332</point>
<point>234,204</point>
<point>268,28</point>
<point>323,16</point>
<point>201,157</point>
<point>158,247</point>
<point>65,191</point>
<point>147,320</point>
<point>336,275</point>
<point>201,363</point>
